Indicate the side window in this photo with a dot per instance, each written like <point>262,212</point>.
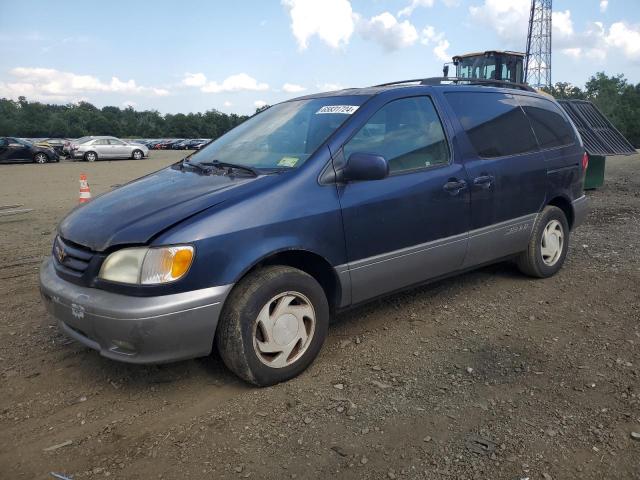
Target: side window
<point>115,142</point>
<point>3,142</point>
<point>549,124</point>
<point>407,132</point>
<point>101,142</point>
<point>494,122</point>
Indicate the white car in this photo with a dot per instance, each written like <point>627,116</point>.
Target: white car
<point>91,149</point>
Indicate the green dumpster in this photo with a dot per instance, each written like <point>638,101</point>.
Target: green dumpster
<point>595,172</point>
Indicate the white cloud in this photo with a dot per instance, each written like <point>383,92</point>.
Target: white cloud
<point>626,38</point>
<point>194,79</point>
<point>604,4</point>
<point>439,42</point>
<point>509,18</point>
<point>292,88</point>
<point>235,83</point>
<point>408,10</point>
<point>388,32</point>
<point>331,20</point>
<point>48,84</point>
<point>228,104</point>
<point>575,52</point>
<point>562,27</point>
<point>259,103</point>
<point>329,87</point>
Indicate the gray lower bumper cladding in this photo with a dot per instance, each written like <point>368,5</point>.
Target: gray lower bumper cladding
<point>134,329</point>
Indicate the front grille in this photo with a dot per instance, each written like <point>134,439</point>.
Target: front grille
<point>72,261</point>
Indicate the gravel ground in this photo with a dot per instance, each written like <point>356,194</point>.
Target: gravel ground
<point>487,375</point>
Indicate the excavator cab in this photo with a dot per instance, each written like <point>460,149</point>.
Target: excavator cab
<point>491,65</point>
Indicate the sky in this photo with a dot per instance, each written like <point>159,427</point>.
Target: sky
<point>192,56</point>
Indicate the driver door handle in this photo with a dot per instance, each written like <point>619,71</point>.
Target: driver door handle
<point>483,181</point>
<point>454,186</point>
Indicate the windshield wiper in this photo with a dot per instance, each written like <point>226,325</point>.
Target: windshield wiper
<point>197,166</point>
<point>230,166</point>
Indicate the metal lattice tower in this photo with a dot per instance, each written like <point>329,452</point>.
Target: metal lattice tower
<point>538,61</point>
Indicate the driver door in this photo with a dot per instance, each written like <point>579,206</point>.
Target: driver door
<point>412,225</point>
<point>17,152</point>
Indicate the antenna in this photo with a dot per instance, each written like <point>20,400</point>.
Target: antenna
<point>538,60</point>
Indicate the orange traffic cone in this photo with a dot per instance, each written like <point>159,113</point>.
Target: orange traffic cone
<point>85,193</point>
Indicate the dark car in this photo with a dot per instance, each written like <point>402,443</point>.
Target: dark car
<point>310,207</point>
<point>198,144</point>
<point>180,145</point>
<point>17,150</point>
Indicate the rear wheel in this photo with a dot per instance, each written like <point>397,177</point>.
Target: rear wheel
<point>273,325</point>
<point>137,154</point>
<point>40,158</point>
<point>90,156</point>
<point>548,245</point>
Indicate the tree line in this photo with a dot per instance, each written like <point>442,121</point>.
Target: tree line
<point>618,99</point>
<point>23,118</point>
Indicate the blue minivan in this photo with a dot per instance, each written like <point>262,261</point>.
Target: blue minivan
<point>312,206</point>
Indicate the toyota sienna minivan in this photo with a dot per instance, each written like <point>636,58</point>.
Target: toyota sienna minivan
<point>312,206</point>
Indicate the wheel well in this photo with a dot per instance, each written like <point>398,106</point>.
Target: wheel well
<point>564,205</point>
<point>310,263</point>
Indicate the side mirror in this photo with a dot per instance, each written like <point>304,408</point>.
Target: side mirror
<point>365,166</point>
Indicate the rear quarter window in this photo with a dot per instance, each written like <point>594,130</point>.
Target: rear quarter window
<point>551,127</point>
<point>494,122</point>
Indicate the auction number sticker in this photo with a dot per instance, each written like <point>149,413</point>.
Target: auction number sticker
<point>346,109</point>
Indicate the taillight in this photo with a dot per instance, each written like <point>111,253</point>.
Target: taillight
<point>585,161</point>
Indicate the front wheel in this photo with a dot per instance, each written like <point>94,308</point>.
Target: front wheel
<point>137,155</point>
<point>40,158</point>
<point>548,245</point>
<point>91,156</point>
<point>273,325</point>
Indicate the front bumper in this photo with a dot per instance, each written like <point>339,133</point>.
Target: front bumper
<point>580,210</point>
<point>134,329</point>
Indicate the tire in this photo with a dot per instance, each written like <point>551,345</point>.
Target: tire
<point>246,344</point>
<point>137,155</point>
<point>90,157</point>
<point>543,256</point>
<point>40,158</point>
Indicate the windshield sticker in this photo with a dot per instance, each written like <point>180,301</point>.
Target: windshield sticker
<point>346,109</point>
<point>288,162</point>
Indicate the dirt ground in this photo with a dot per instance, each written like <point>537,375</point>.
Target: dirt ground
<point>490,375</point>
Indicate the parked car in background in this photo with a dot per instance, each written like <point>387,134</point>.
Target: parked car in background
<point>91,149</point>
<point>18,150</point>
<point>181,145</point>
<point>198,144</point>
<point>56,143</point>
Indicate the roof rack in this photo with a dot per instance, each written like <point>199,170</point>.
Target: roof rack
<point>461,81</point>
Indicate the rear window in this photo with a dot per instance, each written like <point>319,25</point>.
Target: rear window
<point>549,124</point>
<point>494,122</point>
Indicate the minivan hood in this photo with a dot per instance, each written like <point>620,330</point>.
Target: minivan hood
<point>134,213</point>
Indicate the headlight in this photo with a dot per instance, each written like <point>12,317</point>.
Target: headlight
<point>147,266</point>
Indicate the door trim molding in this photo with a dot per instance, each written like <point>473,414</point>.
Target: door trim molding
<point>413,249</point>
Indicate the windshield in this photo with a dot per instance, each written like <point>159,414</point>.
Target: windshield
<point>283,136</point>
<point>22,142</point>
<point>83,140</point>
